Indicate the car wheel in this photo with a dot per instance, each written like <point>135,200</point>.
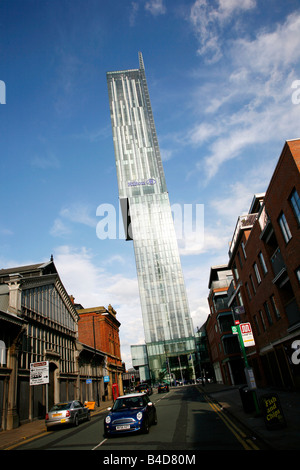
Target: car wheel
<point>76,421</point>
<point>146,426</point>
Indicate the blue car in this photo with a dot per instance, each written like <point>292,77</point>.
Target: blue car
<point>130,413</point>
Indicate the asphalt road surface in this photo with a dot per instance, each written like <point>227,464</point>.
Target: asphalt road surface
<point>188,422</point>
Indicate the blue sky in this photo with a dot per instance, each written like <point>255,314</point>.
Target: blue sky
<point>220,77</point>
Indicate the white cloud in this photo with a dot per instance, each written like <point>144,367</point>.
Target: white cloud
<point>75,213</point>
<point>45,162</point>
<point>251,101</point>
<point>209,21</point>
<point>155,7</point>
<point>79,213</point>
<point>93,285</point>
<point>59,228</point>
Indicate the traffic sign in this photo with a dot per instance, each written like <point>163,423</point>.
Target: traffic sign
<point>39,373</point>
<point>247,334</point>
<point>234,330</point>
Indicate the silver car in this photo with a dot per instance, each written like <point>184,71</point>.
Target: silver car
<point>70,412</point>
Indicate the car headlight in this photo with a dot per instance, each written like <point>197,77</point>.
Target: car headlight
<point>139,415</point>
<point>108,419</point>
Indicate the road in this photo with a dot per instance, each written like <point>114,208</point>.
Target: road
<point>187,421</point>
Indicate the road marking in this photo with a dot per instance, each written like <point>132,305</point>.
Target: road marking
<point>27,439</point>
<point>100,444</point>
<point>247,443</point>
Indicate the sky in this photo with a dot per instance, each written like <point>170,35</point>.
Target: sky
<point>223,77</point>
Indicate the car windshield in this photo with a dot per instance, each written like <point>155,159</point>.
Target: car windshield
<point>61,406</point>
<point>128,403</point>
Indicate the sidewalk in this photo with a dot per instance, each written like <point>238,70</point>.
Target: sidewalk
<point>9,439</point>
<point>287,438</point>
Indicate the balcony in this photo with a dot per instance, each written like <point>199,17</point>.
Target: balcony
<point>292,312</point>
<point>279,268</point>
<point>221,303</point>
<point>244,222</point>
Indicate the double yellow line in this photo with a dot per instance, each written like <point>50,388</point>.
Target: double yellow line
<point>246,442</point>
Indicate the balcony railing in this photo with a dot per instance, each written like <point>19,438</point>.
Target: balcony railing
<point>292,312</point>
<point>277,264</point>
<point>244,222</point>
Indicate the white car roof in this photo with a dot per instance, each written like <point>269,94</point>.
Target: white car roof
<point>132,395</point>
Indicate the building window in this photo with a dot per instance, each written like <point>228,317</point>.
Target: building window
<point>262,263</point>
<point>235,271</point>
<point>262,320</point>
<point>248,290</point>
<point>268,313</point>
<point>252,284</point>
<point>257,274</point>
<point>295,202</point>
<point>284,228</point>
<point>298,274</point>
<point>256,324</point>
<point>275,308</point>
<point>2,353</point>
<point>244,251</point>
<point>240,259</point>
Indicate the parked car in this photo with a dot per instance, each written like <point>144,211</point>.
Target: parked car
<point>162,388</point>
<point>144,387</point>
<point>71,412</point>
<point>130,413</point>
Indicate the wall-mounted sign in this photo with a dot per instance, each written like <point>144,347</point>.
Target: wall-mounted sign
<point>148,182</point>
<point>106,378</point>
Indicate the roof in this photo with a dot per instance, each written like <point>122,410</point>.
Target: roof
<point>131,395</point>
<point>31,268</point>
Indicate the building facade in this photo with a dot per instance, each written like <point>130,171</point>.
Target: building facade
<point>265,260</point>
<point>98,328</point>
<point>39,323</point>
<point>148,219</point>
<point>223,344</point>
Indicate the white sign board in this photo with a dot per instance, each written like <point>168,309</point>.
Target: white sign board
<point>247,334</point>
<point>250,378</point>
<point>39,373</point>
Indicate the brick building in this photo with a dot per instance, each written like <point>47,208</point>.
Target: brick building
<point>265,260</point>
<point>98,328</point>
<point>223,345</point>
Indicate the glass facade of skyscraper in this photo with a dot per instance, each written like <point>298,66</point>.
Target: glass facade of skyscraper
<point>148,220</point>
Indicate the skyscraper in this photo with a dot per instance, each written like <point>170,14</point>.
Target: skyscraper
<point>148,222</point>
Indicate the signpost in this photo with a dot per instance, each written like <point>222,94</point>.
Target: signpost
<point>39,375</point>
<point>247,335</point>
<point>246,339</point>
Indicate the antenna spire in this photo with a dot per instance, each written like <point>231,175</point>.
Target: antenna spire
<point>142,67</point>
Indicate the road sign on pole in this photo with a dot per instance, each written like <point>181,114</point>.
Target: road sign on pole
<point>39,373</point>
<point>247,334</point>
